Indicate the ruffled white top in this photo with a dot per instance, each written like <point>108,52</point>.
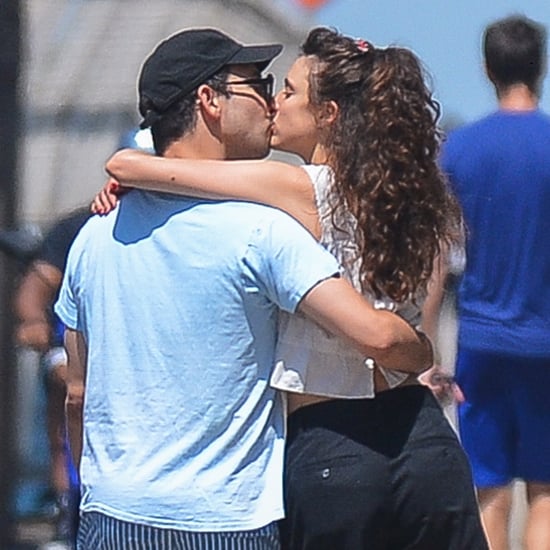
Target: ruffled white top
<point>309,360</point>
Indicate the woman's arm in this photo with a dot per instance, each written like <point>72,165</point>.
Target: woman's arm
<point>271,183</point>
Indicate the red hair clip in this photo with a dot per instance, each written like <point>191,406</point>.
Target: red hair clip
<point>362,45</point>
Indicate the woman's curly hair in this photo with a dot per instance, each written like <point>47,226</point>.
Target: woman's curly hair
<point>383,149</point>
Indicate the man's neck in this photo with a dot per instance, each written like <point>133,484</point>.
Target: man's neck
<point>199,144</point>
<point>518,98</point>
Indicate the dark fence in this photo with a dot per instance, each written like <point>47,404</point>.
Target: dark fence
<point>10,51</point>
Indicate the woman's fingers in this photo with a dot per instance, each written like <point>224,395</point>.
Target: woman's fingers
<point>107,198</point>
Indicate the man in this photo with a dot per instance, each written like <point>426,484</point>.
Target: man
<point>500,168</point>
<point>173,303</point>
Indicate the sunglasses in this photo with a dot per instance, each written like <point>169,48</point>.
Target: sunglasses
<point>262,86</point>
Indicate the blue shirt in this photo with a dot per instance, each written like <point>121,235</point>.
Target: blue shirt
<point>500,169</point>
<point>177,299</point>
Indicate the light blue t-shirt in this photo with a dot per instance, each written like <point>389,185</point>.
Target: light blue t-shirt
<point>177,299</point>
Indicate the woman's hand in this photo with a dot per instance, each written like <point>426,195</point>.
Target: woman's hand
<point>443,385</point>
<point>107,199</point>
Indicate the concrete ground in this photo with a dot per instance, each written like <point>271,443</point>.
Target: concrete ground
<point>33,534</point>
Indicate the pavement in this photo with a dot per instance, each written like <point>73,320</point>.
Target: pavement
<point>36,534</point>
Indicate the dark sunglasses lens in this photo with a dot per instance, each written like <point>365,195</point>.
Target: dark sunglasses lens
<point>264,88</point>
<point>259,88</point>
<point>268,83</point>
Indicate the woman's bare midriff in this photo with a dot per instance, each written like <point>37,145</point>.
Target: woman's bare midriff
<point>298,400</point>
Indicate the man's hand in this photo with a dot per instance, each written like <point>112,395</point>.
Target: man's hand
<point>56,363</point>
<point>35,334</point>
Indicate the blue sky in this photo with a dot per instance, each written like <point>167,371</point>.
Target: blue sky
<point>446,34</point>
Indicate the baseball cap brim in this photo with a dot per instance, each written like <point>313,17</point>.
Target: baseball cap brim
<point>256,55</point>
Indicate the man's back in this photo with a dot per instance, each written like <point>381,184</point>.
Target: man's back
<point>500,169</point>
<point>176,299</point>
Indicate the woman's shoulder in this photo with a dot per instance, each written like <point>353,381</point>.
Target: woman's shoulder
<point>320,177</point>
<point>319,174</point>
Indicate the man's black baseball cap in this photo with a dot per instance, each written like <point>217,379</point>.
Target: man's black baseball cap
<point>186,59</point>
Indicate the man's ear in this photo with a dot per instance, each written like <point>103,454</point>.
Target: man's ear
<point>498,88</point>
<point>488,73</point>
<point>208,101</point>
<point>327,113</point>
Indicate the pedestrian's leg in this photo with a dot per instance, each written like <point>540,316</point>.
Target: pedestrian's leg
<point>495,504</point>
<point>537,531</point>
<point>56,432</point>
<point>488,430</point>
<point>55,386</point>
<point>533,448</point>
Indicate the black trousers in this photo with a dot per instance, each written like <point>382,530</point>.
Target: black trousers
<point>384,473</point>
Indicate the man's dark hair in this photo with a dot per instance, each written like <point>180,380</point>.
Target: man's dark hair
<point>515,52</point>
<point>181,117</point>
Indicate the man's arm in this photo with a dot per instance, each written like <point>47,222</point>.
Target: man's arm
<point>32,304</point>
<point>379,334</point>
<point>76,378</point>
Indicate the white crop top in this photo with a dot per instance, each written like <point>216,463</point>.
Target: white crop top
<point>310,360</point>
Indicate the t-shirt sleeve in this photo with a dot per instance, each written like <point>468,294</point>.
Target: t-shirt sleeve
<point>287,262</point>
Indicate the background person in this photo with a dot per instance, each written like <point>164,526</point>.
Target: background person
<point>500,169</point>
<point>40,329</point>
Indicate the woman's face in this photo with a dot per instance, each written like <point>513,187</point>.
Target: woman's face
<point>294,126</point>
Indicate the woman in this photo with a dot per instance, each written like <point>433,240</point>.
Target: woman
<point>359,437</point>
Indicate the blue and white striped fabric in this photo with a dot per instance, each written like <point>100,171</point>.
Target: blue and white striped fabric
<point>100,532</point>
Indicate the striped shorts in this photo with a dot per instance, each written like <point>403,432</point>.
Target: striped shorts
<point>100,532</point>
